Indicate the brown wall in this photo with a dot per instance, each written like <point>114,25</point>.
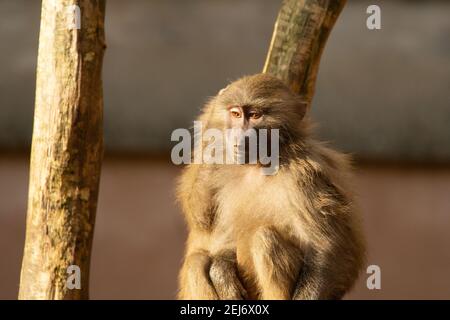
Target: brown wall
<point>140,234</point>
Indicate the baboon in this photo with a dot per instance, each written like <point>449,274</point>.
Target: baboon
<point>294,234</point>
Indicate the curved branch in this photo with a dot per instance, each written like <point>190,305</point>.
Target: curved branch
<point>299,37</point>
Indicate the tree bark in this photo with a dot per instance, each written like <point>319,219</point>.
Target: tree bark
<point>67,150</point>
<point>300,34</point>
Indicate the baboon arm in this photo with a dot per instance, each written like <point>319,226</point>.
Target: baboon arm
<point>277,262</point>
<point>326,276</point>
<point>197,198</point>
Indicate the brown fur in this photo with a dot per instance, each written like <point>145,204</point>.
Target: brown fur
<point>292,235</point>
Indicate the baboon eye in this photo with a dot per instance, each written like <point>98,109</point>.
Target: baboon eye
<point>254,115</point>
<point>235,112</point>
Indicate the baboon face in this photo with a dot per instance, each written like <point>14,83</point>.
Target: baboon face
<point>258,102</point>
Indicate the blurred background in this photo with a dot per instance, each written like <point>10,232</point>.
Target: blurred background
<point>383,96</point>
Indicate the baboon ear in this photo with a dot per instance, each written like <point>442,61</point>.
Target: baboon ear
<point>222,91</point>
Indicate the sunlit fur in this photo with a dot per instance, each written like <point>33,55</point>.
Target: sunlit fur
<point>293,235</point>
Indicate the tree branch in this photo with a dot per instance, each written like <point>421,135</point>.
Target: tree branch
<point>299,37</point>
<point>67,150</point>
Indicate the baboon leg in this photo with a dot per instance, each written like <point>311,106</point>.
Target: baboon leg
<point>224,276</point>
<point>195,283</point>
<point>277,263</point>
<point>317,281</point>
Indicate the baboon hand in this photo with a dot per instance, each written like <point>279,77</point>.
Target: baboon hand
<point>224,277</point>
<point>206,277</point>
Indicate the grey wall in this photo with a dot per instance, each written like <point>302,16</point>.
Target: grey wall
<point>380,94</point>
